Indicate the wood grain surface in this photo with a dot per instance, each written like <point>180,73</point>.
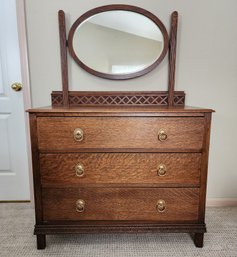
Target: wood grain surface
<point>120,110</point>
<point>181,169</point>
<point>121,204</point>
<point>120,132</point>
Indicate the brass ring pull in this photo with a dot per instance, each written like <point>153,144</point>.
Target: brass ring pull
<point>162,136</point>
<point>161,205</point>
<point>79,168</point>
<point>78,134</point>
<point>161,170</point>
<point>80,205</point>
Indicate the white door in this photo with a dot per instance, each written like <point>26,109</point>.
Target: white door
<point>14,170</point>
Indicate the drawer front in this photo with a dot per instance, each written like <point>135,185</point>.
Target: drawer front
<point>158,204</point>
<point>151,168</point>
<point>57,133</point>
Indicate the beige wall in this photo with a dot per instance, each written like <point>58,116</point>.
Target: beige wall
<point>206,68</point>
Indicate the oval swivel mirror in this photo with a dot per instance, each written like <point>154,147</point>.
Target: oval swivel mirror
<point>118,41</point>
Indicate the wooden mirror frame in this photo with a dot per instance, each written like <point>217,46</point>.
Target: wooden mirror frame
<point>120,7</point>
<point>66,98</point>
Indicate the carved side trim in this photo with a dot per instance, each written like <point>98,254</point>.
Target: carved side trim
<point>117,98</point>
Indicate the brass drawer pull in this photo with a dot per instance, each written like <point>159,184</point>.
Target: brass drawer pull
<point>161,205</point>
<point>80,205</point>
<point>162,136</point>
<point>79,168</point>
<point>161,170</point>
<point>78,134</point>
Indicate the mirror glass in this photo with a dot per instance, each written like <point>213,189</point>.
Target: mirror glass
<point>118,42</point>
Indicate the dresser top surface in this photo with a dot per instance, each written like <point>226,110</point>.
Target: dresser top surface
<point>121,109</point>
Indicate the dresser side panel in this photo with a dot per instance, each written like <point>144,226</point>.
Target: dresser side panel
<point>36,167</point>
<point>204,167</point>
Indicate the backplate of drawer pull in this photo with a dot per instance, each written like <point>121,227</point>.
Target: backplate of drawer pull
<point>79,168</point>
<point>162,135</point>
<point>78,134</point>
<point>161,205</point>
<point>80,205</point>
<point>161,170</point>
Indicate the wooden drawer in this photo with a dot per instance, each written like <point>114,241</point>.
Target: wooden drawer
<point>144,168</point>
<point>57,133</point>
<point>181,204</point>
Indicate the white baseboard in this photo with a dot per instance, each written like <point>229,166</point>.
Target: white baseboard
<point>221,202</point>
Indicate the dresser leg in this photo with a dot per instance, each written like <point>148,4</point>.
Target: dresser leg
<point>198,239</point>
<point>41,241</point>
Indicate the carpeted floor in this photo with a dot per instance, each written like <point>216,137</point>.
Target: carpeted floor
<point>16,238</point>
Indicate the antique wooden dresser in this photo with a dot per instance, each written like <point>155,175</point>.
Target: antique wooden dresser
<point>119,161</point>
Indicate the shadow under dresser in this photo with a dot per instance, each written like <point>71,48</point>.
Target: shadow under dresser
<point>120,169</point>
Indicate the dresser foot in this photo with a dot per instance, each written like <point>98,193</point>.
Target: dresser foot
<point>198,239</point>
<point>41,241</point>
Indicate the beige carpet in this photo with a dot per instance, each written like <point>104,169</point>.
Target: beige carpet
<point>16,239</point>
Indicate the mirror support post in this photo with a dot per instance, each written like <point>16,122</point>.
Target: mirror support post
<point>63,50</point>
<point>172,56</point>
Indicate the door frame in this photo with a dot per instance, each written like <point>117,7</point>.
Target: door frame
<point>25,75</point>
